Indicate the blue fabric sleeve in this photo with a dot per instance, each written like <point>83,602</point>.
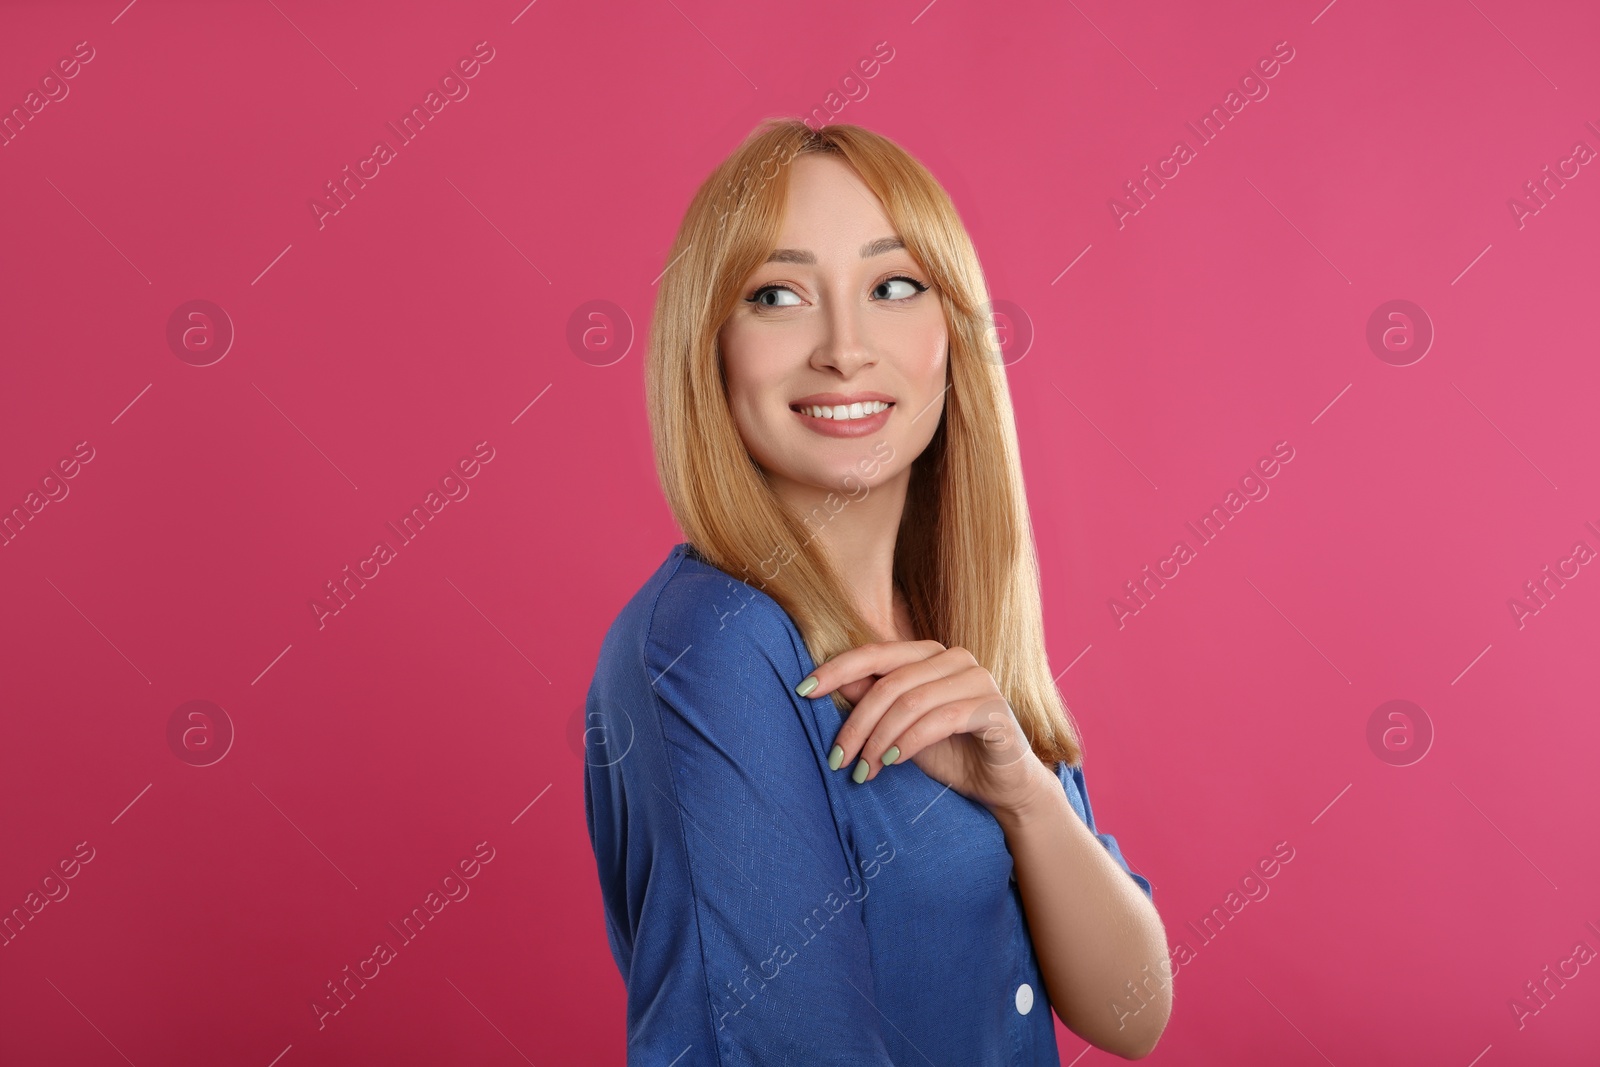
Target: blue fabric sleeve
<point>750,944</point>
<point>1078,793</point>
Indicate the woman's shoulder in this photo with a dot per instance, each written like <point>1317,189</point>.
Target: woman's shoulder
<point>715,658</point>
<point>686,602</point>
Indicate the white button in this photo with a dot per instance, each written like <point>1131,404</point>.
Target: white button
<point>1024,998</point>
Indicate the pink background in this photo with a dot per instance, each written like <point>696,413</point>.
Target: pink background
<point>439,708</point>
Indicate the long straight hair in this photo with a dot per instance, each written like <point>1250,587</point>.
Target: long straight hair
<point>964,555</point>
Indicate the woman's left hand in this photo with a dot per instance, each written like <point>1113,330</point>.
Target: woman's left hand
<point>941,709</point>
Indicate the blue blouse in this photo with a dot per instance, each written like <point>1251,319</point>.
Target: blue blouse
<point>764,909</point>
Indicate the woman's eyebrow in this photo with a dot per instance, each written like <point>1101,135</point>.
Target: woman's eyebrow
<point>868,250</point>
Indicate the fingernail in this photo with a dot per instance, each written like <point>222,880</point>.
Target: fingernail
<point>859,775</point>
<point>835,758</point>
<point>891,755</point>
<point>805,687</point>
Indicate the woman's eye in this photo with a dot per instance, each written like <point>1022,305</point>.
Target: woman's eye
<point>768,295</point>
<point>916,287</point>
<point>759,297</point>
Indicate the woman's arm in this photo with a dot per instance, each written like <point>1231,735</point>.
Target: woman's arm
<point>732,903</point>
<point>1100,942</point>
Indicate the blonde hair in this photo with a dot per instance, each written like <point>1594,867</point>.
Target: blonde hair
<point>964,554</point>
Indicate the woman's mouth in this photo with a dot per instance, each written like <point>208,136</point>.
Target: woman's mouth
<point>844,420</point>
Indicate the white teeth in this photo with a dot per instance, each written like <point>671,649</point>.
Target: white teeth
<point>844,411</point>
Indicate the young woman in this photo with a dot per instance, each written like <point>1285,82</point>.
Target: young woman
<point>836,802</point>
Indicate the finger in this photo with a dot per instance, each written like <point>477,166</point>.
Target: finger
<point>961,687</point>
<point>855,691</point>
<point>861,719</point>
<point>882,691</point>
<point>864,717</point>
<point>864,661</point>
<point>907,694</point>
<point>989,718</point>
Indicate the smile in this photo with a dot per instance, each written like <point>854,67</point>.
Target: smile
<point>843,412</point>
<point>844,420</point>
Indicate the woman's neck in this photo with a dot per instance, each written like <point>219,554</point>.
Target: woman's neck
<point>859,540</point>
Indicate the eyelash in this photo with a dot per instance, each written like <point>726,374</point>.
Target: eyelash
<point>754,298</point>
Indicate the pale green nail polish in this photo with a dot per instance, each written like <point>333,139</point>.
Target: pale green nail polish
<point>805,687</point>
<point>859,775</point>
<point>835,758</point>
<point>891,755</point>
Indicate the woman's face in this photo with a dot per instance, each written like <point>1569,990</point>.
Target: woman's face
<point>836,318</point>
